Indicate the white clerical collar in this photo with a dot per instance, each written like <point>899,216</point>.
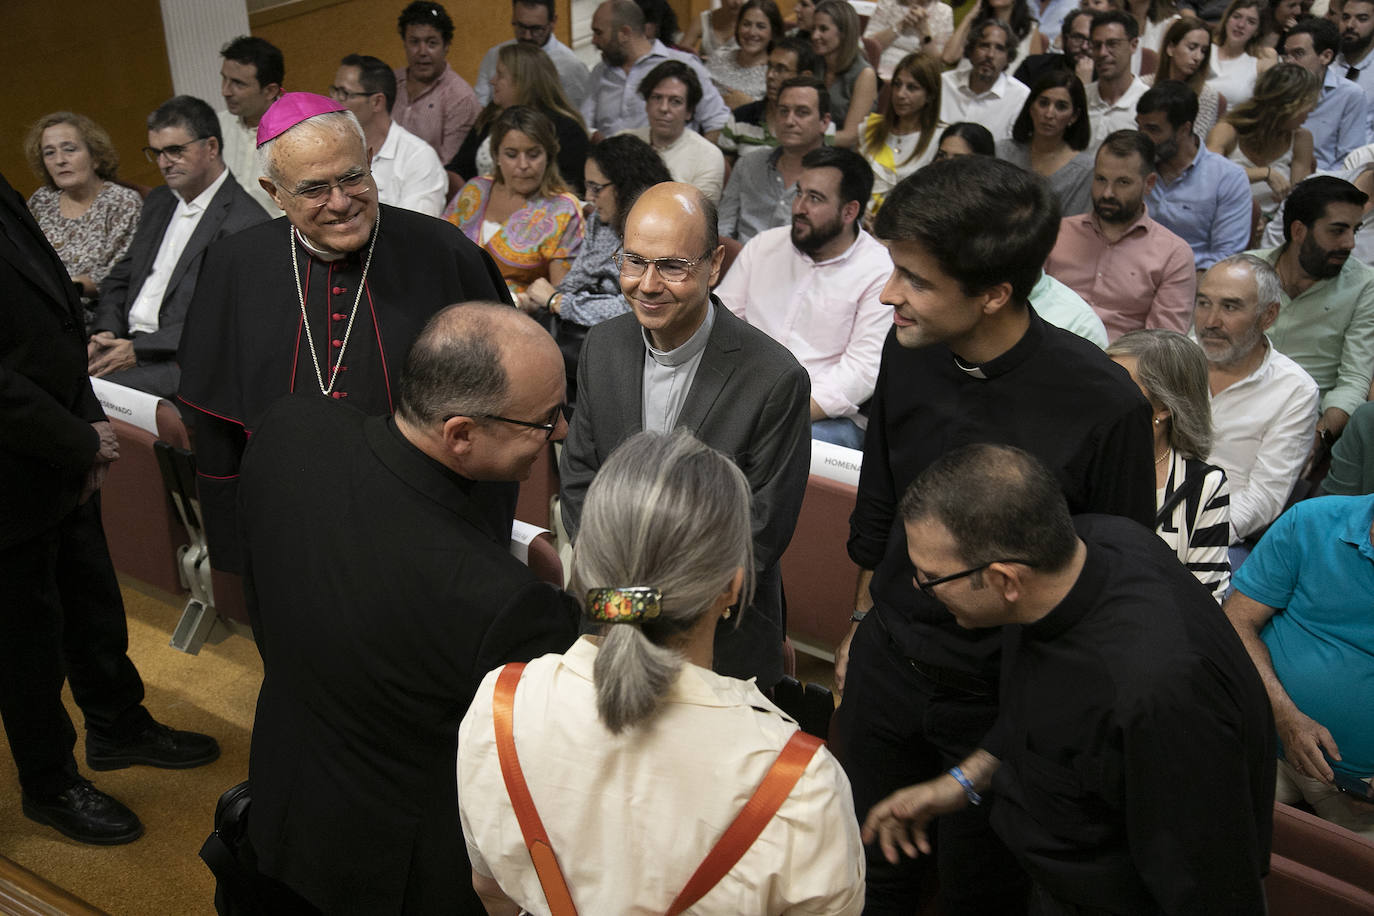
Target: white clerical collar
<point>693,345</point>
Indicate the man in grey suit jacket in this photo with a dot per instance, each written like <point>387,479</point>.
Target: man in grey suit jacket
<point>682,360</point>
<point>143,301</point>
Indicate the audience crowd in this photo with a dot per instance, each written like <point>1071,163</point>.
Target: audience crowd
<point>1057,274</point>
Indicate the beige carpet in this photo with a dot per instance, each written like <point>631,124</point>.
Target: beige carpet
<point>161,873</point>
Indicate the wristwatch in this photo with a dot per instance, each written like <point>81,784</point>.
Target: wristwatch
<point>857,616</point>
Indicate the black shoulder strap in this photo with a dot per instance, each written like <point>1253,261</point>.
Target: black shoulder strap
<point>1194,473</point>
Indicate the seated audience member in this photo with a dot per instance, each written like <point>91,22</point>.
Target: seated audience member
<point>1240,55</point>
<point>755,124</point>
<point>965,138</point>
<point>905,27</point>
<point>716,29</point>
<point>251,79</point>
<point>1133,272</point>
<point>627,57</point>
<point>1050,138</point>
<point>523,214</point>
<point>1077,54</point>
<point>763,183</point>
<point>1279,17</point>
<point>1025,28</point>
<point>1265,137</point>
<point>406,169</point>
<point>637,707</point>
<point>1062,307</point>
<point>1352,458</point>
<point>681,359</point>
<point>1264,406</point>
<point>835,37</point>
<point>87,217</point>
<point>801,19</point>
<point>741,72</point>
<point>985,93</point>
<point>1112,97</point>
<point>815,288</point>
<point>432,101</point>
<point>1326,317</point>
<point>901,138</point>
<point>137,324</point>
<point>1185,54</point>
<point>525,76</point>
<point>660,23</point>
<point>1356,21</point>
<point>1191,496</point>
<point>1118,672</point>
<point>1199,196</point>
<point>1301,606</point>
<point>671,93</point>
<point>1339,124</point>
<point>1154,18</point>
<point>355,807</point>
<point>532,21</point>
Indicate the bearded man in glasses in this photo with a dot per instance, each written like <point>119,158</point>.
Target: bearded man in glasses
<point>681,359</point>
<point>326,301</point>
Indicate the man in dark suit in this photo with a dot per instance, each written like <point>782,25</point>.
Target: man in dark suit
<point>378,573</point>
<point>683,360</point>
<point>143,301</point>
<point>61,614</point>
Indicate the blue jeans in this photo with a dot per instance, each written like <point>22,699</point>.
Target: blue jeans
<point>838,431</point>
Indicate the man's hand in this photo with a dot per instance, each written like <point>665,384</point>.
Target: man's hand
<point>535,295</point>
<point>1083,67</point>
<point>116,356</point>
<point>109,442</point>
<point>900,820</point>
<point>842,658</point>
<point>95,479</point>
<point>1303,740</point>
<point>97,344</point>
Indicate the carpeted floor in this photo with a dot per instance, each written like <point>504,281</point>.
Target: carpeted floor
<point>161,873</point>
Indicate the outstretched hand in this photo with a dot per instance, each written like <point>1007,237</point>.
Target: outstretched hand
<point>899,821</point>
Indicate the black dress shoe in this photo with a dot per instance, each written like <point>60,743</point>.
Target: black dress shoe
<point>155,746</point>
<point>85,814</point>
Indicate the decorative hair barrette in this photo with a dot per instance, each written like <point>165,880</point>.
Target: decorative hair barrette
<point>623,605</point>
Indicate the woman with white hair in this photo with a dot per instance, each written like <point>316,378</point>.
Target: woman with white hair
<point>626,757</point>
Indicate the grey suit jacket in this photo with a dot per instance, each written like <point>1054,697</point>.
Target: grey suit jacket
<point>230,210</point>
<point>750,399</point>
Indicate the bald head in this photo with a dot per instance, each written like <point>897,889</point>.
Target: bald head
<point>682,204</point>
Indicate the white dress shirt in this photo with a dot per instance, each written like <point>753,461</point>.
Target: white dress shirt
<point>143,314</point>
<point>1263,428</point>
<point>826,312</point>
<point>408,173</point>
<point>1119,115</point>
<point>240,154</point>
<point>995,109</point>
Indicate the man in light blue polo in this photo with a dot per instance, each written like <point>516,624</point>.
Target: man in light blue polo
<point>1200,196</point>
<point>1340,122</point>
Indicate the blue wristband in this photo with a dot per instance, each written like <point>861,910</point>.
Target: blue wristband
<point>959,777</point>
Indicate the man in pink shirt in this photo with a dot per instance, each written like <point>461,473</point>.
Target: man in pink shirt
<point>432,102</point>
<point>1132,271</point>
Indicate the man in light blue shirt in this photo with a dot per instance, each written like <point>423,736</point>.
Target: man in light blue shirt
<point>533,21</point>
<point>1340,122</point>
<point>1355,63</point>
<point>1200,196</point>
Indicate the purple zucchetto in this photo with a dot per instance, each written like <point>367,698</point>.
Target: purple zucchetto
<point>290,110</point>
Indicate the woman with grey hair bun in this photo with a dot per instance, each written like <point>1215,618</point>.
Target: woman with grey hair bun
<point>627,756</point>
<point>1192,496</point>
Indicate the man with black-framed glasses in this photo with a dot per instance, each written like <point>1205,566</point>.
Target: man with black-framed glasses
<point>682,360</point>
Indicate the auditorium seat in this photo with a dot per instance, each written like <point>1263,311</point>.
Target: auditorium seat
<point>816,570</point>
<point>1317,867</point>
<point>535,493</point>
<point>732,249</point>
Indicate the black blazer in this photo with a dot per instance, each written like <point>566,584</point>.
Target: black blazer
<point>46,404</point>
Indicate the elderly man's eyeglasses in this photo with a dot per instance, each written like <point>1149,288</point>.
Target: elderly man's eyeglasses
<point>928,585</point>
<point>547,426</point>
<point>318,194</point>
<point>340,94</point>
<point>674,270</point>
<point>173,153</point>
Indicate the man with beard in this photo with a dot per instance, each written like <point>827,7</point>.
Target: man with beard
<point>984,93</point>
<point>1340,122</point>
<point>1326,310</point>
<point>1133,272</point>
<point>1076,58</point>
<point>1112,98</point>
<point>1264,406</point>
<point>533,21</point>
<point>1357,36</point>
<point>1202,197</point>
<point>815,288</point>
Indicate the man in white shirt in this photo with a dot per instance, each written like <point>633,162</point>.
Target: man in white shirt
<point>671,93</point>
<point>250,80</point>
<point>984,93</point>
<point>815,288</point>
<point>143,301</point>
<point>406,169</point>
<point>1264,406</point>
<point>533,21</point>
<point>1112,96</point>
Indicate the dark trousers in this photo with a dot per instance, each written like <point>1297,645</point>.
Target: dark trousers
<point>62,617</point>
<point>895,728</point>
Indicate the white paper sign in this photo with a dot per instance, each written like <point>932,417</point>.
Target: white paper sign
<point>836,462</point>
<point>135,407</point>
<point>521,534</point>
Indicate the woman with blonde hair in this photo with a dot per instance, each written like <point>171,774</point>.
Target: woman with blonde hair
<point>1185,55</point>
<point>902,137</point>
<point>852,83</point>
<point>634,756</point>
<point>1240,55</point>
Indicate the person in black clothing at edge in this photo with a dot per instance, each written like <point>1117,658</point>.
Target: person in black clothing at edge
<point>1133,757</point>
<point>968,361</point>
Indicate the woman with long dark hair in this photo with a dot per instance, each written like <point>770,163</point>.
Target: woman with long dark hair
<point>1050,138</point>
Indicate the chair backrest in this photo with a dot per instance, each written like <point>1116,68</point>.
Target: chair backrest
<point>543,560</point>
<point>1317,867</point>
<point>817,573</point>
<point>732,250</point>
<point>141,525</point>
<point>532,506</point>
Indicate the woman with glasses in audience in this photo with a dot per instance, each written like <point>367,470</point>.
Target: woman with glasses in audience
<point>1191,496</point>
<point>522,214</point>
<point>635,755</point>
<point>525,76</point>
<point>740,73</point>
<point>1050,138</point>
<point>1185,55</point>
<point>903,27</point>
<point>965,138</point>
<point>1240,55</point>
<point>88,218</point>
<point>901,138</point>
<point>852,83</point>
<point>1266,136</point>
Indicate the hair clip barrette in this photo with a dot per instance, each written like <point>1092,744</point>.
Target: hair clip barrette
<point>623,605</point>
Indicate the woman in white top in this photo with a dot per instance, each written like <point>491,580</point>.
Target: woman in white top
<point>714,29</point>
<point>902,137</point>
<point>1154,18</point>
<point>636,755</point>
<point>741,73</point>
<point>902,27</point>
<point>1265,134</point>
<point>1015,13</point>
<point>1240,55</point>
<point>1185,53</point>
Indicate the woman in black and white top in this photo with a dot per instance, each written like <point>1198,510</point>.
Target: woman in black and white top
<point>1191,495</point>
